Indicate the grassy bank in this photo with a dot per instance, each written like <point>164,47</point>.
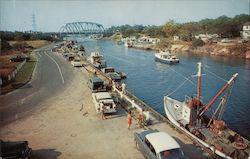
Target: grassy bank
<point>24,74</point>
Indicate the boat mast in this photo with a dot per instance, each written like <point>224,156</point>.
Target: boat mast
<point>219,93</point>
<point>199,85</point>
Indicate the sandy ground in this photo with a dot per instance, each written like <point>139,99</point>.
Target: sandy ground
<point>67,126</point>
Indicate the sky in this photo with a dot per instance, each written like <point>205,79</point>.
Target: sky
<point>50,15</point>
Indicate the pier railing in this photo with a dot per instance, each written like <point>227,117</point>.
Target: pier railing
<point>137,103</point>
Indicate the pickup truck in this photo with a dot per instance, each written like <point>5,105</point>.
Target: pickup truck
<point>103,102</point>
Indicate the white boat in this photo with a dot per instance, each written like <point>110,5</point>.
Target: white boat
<point>166,57</point>
<point>212,132</point>
<point>97,60</point>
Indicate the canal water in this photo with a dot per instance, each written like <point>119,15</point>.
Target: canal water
<point>151,80</point>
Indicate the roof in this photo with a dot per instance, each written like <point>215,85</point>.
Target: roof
<point>102,95</point>
<point>161,141</point>
<point>97,79</point>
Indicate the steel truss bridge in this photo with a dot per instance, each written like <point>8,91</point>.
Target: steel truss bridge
<point>81,28</point>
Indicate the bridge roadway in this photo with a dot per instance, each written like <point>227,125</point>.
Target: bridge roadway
<point>55,113</point>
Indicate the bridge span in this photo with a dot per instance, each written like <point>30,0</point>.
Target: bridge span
<point>81,28</point>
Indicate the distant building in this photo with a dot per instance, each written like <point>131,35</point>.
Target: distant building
<point>176,38</point>
<point>148,39</point>
<point>245,33</point>
<point>206,37</point>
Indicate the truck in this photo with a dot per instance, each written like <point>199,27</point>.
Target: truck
<point>103,102</point>
<point>96,84</point>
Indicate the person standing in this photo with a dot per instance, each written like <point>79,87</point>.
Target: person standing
<point>102,111</point>
<point>141,118</point>
<point>129,120</point>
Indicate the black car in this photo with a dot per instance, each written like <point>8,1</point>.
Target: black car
<point>17,150</point>
<point>19,58</point>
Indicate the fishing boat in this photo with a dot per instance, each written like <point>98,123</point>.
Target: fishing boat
<point>210,132</point>
<point>166,57</point>
<point>97,60</point>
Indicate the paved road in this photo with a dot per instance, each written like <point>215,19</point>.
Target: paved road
<point>51,76</point>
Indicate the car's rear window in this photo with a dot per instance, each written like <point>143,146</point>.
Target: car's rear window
<point>172,154</point>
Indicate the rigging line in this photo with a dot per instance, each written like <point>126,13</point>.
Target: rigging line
<point>215,75</point>
<point>183,76</point>
<point>178,87</point>
<point>158,104</point>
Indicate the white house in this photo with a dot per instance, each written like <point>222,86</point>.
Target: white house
<point>206,37</point>
<point>148,39</point>
<point>245,33</point>
<point>176,38</point>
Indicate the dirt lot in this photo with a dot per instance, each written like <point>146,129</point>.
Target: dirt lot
<point>33,43</point>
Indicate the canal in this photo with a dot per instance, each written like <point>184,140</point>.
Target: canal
<point>151,80</point>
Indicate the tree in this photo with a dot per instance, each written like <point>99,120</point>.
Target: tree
<point>5,45</point>
<point>197,43</point>
<point>170,28</point>
<point>26,36</point>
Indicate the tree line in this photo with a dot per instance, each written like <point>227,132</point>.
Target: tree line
<point>223,26</point>
<point>22,36</point>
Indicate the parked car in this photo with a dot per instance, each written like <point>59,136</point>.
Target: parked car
<point>226,40</point>
<point>69,56</point>
<point>76,62</point>
<point>17,149</point>
<point>19,58</point>
<point>243,41</point>
<point>158,145</point>
<point>104,102</point>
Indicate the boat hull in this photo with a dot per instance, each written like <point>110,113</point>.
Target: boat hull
<point>166,61</point>
<point>171,113</point>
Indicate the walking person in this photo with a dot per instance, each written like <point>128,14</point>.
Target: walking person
<point>129,120</point>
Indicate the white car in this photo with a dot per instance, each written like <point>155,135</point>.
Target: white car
<point>104,102</point>
<point>158,145</point>
<point>76,63</point>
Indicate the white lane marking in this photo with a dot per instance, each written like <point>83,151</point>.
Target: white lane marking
<point>39,54</point>
<point>57,66</point>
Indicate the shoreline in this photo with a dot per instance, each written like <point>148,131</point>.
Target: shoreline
<point>238,50</point>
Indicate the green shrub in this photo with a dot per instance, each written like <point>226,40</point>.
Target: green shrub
<point>5,45</point>
<point>197,43</point>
